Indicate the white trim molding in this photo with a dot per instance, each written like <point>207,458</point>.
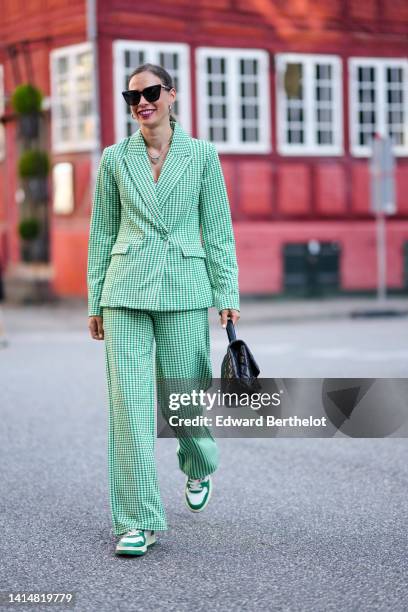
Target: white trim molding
<point>233,102</point>
<point>309,118</point>
<point>378,102</point>
<point>73,117</point>
<point>173,57</point>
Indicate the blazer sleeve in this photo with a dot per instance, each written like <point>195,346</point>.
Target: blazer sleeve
<point>217,234</point>
<point>104,227</point>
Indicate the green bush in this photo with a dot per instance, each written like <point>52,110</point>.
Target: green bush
<point>29,228</point>
<point>33,163</point>
<point>26,99</point>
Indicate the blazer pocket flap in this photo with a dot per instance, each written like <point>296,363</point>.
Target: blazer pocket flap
<point>120,247</point>
<point>190,249</point>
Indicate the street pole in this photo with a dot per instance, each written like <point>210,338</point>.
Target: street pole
<point>381,257</point>
<point>383,202</point>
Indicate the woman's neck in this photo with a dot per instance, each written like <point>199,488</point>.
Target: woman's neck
<point>156,138</point>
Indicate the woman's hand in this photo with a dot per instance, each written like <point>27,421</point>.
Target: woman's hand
<point>228,313</point>
<point>95,325</point>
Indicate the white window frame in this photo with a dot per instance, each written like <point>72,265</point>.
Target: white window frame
<point>151,50</point>
<point>310,147</point>
<point>76,143</point>
<point>232,56</point>
<point>380,64</point>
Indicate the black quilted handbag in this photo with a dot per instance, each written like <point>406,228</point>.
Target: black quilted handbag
<point>239,369</point>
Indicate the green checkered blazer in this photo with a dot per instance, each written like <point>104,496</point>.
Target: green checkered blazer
<point>162,246</point>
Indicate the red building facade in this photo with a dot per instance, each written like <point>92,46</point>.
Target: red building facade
<point>290,92</point>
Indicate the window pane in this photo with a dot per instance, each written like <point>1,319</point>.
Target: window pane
<point>62,88</point>
<point>324,71</point>
<point>217,98</point>
<point>293,84</point>
<point>249,111</point>
<point>133,59</point>
<point>324,99</point>
<point>62,65</point>
<point>83,86</point>
<point>216,65</point>
<point>295,136</point>
<point>171,62</point>
<point>218,134</point>
<point>86,128</point>
<point>249,89</point>
<point>62,111</point>
<point>366,111</point>
<point>73,97</point>
<point>249,134</point>
<point>84,107</point>
<point>395,111</point>
<point>248,67</point>
<point>216,88</point>
<point>217,111</point>
<point>249,114</point>
<point>325,137</point>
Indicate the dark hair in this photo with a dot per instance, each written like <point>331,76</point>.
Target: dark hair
<point>157,70</point>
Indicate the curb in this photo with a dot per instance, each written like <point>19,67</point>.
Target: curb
<point>324,315</point>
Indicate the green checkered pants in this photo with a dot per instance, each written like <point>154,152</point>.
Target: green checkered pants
<point>182,350</point>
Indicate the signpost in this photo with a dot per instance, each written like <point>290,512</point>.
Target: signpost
<point>382,171</point>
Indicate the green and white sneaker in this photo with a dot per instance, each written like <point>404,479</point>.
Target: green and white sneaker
<point>198,493</point>
<point>135,542</point>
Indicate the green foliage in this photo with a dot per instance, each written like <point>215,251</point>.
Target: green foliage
<point>33,163</point>
<point>29,228</point>
<point>26,99</point>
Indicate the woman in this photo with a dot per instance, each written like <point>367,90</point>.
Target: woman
<point>161,252</point>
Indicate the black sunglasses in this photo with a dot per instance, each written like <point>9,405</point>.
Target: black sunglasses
<point>151,94</point>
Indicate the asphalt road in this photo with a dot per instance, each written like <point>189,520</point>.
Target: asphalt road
<point>293,524</point>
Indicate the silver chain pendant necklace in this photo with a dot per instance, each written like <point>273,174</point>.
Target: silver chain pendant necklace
<point>155,159</point>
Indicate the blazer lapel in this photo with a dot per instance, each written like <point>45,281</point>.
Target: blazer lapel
<point>177,159</point>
